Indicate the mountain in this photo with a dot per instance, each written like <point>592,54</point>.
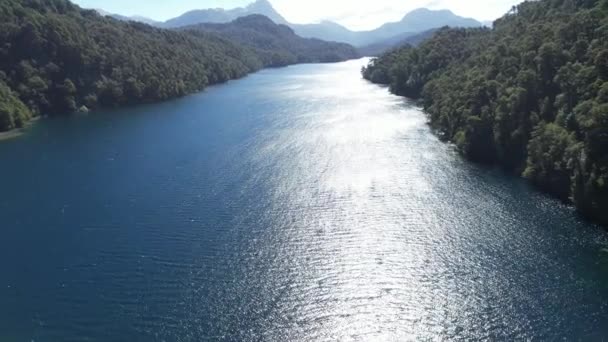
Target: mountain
<point>327,30</point>
<point>136,18</point>
<point>420,20</point>
<point>277,45</point>
<point>380,48</point>
<point>56,58</point>
<point>415,22</point>
<point>530,95</point>
<point>219,15</point>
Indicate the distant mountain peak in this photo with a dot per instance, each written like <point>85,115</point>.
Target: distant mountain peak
<point>254,19</point>
<point>416,21</point>
<point>261,4</point>
<point>276,44</point>
<point>262,7</point>
<point>423,19</point>
<point>420,10</point>
<point>126,18</point>
<point>429,13</point>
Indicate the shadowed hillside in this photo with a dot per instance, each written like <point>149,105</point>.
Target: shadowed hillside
<point>277,45</point>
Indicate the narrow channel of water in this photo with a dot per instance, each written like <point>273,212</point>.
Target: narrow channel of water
<point>298,204</point>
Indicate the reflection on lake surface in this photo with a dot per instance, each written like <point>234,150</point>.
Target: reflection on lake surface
<point>298,204</point>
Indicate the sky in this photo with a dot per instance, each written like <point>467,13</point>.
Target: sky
<point>354,14</point>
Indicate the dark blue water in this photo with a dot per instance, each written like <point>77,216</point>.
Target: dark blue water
<point>298,204</point>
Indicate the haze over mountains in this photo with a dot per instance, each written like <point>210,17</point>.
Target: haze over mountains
<point>378,48</point>
<point>276,45</point>
<point>137,18</point>
<point>413,23</point>
<point>219,15</point>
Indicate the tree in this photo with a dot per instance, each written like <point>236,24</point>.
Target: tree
<point>56,57</point>
<point>529,95</point>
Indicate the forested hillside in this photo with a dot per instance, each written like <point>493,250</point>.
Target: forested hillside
<point>58,58</point>
<point>379,48</point>
<point>530,94</point>
<point>55,58</point>
<point>277,45</point>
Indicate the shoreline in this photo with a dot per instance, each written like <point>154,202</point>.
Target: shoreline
<point>17,132</point>
<point>587,216</point>
<point>11,134</point>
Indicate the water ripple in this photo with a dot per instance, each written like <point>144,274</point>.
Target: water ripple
<point>318,207</point>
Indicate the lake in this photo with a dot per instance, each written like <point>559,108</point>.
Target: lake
<point>297,204</point>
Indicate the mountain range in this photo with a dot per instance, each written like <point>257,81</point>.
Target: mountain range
<point>413,23</point>
<point>219,15</point>
<point>379,48</point>
<point>276,44</point>
<point>137,18</point>
<point>57,58</point>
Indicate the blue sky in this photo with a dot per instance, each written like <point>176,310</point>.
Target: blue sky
<point>355,14</point>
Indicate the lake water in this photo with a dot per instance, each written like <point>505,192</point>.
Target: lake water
<point>298,204</point>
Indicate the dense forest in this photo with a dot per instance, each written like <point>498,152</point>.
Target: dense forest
<point>531,94</point>
<point>57,58</point>
<point>277,45</point>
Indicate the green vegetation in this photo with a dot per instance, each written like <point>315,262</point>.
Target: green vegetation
<point>13,113</point>
<point>277,45</point>
<point>531,94</point>
<point>57,58</point>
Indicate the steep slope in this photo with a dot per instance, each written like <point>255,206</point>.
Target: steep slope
<point>327,30</point>
<point>136,18</point>
<point>380,48</point>
<point>56,58</point>
<point>531,94</point>
<point>421,20</point>
<point>265,8</point>
<point>277,45</point>
<point>416,27</point>
<point>262,7</point>
<point>415,22</point>
<point>412,24</point>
